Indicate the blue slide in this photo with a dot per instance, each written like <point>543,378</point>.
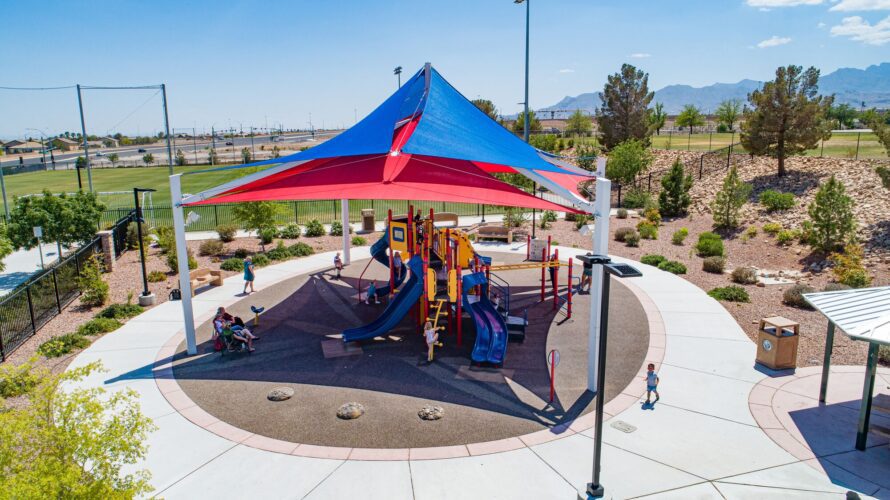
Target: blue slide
<point>380,254</point>
<point>396,309</point>
<point>491,330</point>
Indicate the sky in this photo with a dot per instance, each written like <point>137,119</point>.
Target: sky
<point>242,63</point>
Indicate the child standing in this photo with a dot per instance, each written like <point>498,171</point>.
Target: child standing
<point>338,263</point>
<point>432,337</point>
<point>372,292</point>
<point>652,382</point>
<point>249,274</point>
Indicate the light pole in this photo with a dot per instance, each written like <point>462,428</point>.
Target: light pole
<point>595,488</point>
<point>42,140</point>
<point>147,298</point>
<point>398,73</point>
<point>525,102</point>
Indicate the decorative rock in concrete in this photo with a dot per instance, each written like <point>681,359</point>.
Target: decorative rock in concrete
<point>430,412</point>
<point>280,394</point>
<point>350,411</point>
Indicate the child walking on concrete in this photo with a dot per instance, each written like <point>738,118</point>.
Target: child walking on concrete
<point>651,383</point>
<point>338,263</point>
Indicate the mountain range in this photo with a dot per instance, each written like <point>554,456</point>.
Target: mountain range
<point>849,85</point>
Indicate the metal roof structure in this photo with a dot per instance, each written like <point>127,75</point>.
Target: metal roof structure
<point>863,314</point>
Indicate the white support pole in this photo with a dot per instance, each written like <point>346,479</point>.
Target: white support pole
<point>344,214</point>
<point>185,286</point>
<point>600,247</point>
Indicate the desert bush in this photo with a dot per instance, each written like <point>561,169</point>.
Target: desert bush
<point>674,199</point>
<point>173,261</point>
<point>358,241</point>
<point>336,228</point>
<point>848,268</point>
<point>709,244</point>
<point>772,228</point>
<point>785,237</point>
<point>514,217</point>
<point>267,234</point>
<point>63,344</point>
<point>673,266</point>
<point>731,293</point>
<point>648,230</point>
<point>156,277</point>
<point>774,201</point>
<point>16,380</point>
<point>233,265</point>
<point>714,264</point>
<point>751,232</point>
<point>260,260</point>
<point>581,220</point>
<point>637,198</point>
<point>211,247</point>
<point>632,239</point>
<point>744,275</point>
<point>241,253</point>
<point>679,236</point>
<point>622,233</point>
<point>280,252</point>
<point>653,259</point>
<point>301,250</point>
<point>314,229</point>
<point>728,202</point>
<point>96,326</point>
<point>836,287</point>
<point>166,239</point>
<point>120,311</point>
<point>290,232</point>
<point>832,214</point>
<point>653,215</point>
<point>547,217</point>
<point>621,213</point>
<point>94,288</point>
<point>794,296</point>
<point>884,174</point>
<point>226,232</point>
<point>133,236</point>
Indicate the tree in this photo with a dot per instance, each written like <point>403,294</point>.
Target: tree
<point>73,442</point>
<point>276,153</point>
<point>578,124</point>
<point>586,156</point>
<point>729,200</point>
<point>148,158</point>
<point>690,117</point>
<point>624,113</point>
<point>534,125</point>
<point>180,158</point>
<point>843,115</point>
<point>832,214</point>
<point>627,160</point>
<point>882,130</point>
<point>256,215</point>
<point>245,155</point>
<point>80,162</point>
<point>212,157</point>
<point>487,107</point>
<point>728,112</point>
<point>113,158</point>
<point>674,199</point>
<point>787,115</point>
<point>5,246</point>
<point>65,219</point>
<point>657,117</point>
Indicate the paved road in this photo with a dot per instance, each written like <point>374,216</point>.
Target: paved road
<point>20,265</point>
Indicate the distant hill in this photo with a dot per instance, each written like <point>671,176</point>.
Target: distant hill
<point>851,86</point>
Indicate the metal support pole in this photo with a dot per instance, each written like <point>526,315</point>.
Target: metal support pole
<point>543,272</point>
<point>826,362</point>
<point>3,189</point>
<point>166,128</point>
<point>86,145</point>
<point>594,488</point>
<point>185,285</point>
<point>858,137</point>
<point>600,247</point>
<point>195,145</point>
<point>145,292</point>
<point>555,273</point>
<point>347,242</point>
<point>871,366</point>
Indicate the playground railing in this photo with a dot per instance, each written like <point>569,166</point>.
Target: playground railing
<point>503,288</point>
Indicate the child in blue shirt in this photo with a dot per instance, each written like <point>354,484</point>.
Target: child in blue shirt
<point>651,382</point>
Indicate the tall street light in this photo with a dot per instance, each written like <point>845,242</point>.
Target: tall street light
<point>525,102</point>
<point>595,488</point>
<point>398,73</point>
<point>42,140</point>
<point>147,298</point>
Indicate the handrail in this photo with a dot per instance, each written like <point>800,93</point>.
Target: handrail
<point>360,279</point>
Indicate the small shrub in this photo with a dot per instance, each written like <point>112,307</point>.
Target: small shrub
<point>709,244</point>
<point>63,344</point>
<point>884,174</point>
<point>280,252</point>
<point>301,250</point>
<point>751,231</point>
<point>653,215</point>
<point>267,234</point>
<point>848,268</point>
<point>714,264</point>
<point>471,237</point>
<point>133,236</point>
<point>785,237</point>
<point>647,230</point>
<point>653,259</point>
<point>794,296</point>
<point>211,247</point>
<point>744,275</point>
<point>621,213</point>
<point>241,253</point>
<point>290,232</point>
<point>156,276</point>
<point>632,239</point>
<point>555,242</point>
<point>233,265</point>
<point>772,228</point>
<point>637,198</point>
<point>96,326</point>
<point>775,201</point>
<point>832,215</point>
<point>260,260</point>
<point>547,216</point>
<point>581,220</point>
<point>806,235</point>
<point>679,236</point>
<point>622,233</point>
<point>835,287</point>
<point>358,241</point>
<point>514,217</point>
<point>120,311</point>
<point>226,232</point>
<point>94,288</point>
<point>16,380</point>
<point>727,204</point>
<point>673,266</point>
<point>731,293</point>
<point>314,229</point>
<point>336,228</point>
<point>166,239</point>
<point>173,261</point>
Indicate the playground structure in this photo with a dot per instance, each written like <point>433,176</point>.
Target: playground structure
<point>447,278</point>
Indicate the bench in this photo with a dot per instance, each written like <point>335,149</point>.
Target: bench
<point>493,232</point>
<point>204,276</point>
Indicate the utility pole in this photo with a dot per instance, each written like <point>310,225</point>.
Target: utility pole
<point>195,145</point>
<point>398,73</point>
<point>166,130</point>
<point>252,149</point>
<point>212,144</point>
<point>86,146</point>
<point>525,102</point>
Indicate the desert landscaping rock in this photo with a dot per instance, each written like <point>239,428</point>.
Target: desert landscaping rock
<point>351,411</point>
<point>280,394</point>
<point>430,412</point>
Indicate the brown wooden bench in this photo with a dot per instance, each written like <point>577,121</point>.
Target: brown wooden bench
<point>494,232</point>
<point>204,276</point>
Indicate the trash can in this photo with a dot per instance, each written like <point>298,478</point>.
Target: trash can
<point>368,220</point>
<point>777,343</point>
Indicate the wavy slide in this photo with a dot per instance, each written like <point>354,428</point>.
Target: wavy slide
<point>491,330</point>
<point>396,309</point>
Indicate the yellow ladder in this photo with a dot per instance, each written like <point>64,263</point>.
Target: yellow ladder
<point>436,311</point>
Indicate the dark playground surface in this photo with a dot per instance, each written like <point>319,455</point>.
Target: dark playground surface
<point>300,348</point>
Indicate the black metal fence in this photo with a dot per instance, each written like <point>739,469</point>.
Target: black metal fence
<point>27,309</point>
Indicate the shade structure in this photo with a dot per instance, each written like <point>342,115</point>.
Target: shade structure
<point>425,142</point>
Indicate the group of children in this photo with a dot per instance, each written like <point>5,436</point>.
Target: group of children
<point>225,321</point>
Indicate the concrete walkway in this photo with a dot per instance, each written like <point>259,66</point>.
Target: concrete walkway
<point>700,441</point>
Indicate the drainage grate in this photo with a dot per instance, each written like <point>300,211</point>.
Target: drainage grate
<point>623,426</point>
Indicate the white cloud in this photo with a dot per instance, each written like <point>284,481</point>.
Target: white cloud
<point>820,25</point>
<point>859,5</point>
<point>861,30</point>
<point>781,3</point>
<point>640,55</point>
<point>566,70</point>
<point>774,41</point>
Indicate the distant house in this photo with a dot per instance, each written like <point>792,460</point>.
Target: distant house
<point>110,142</point>
<point>19,147</point>
<point>66,144</point>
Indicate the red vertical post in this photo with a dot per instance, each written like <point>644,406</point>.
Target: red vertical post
<point>460,292</point>
<point>449,263</point>
<point>571,285</point>
<point>389,236</point>
<point>476,270</point>
<point>425,255</point>
<point>556,280</point>
<point>528,246</point>
<point>544,262</point>
<point>548,246</point>
<point>410,231</point>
